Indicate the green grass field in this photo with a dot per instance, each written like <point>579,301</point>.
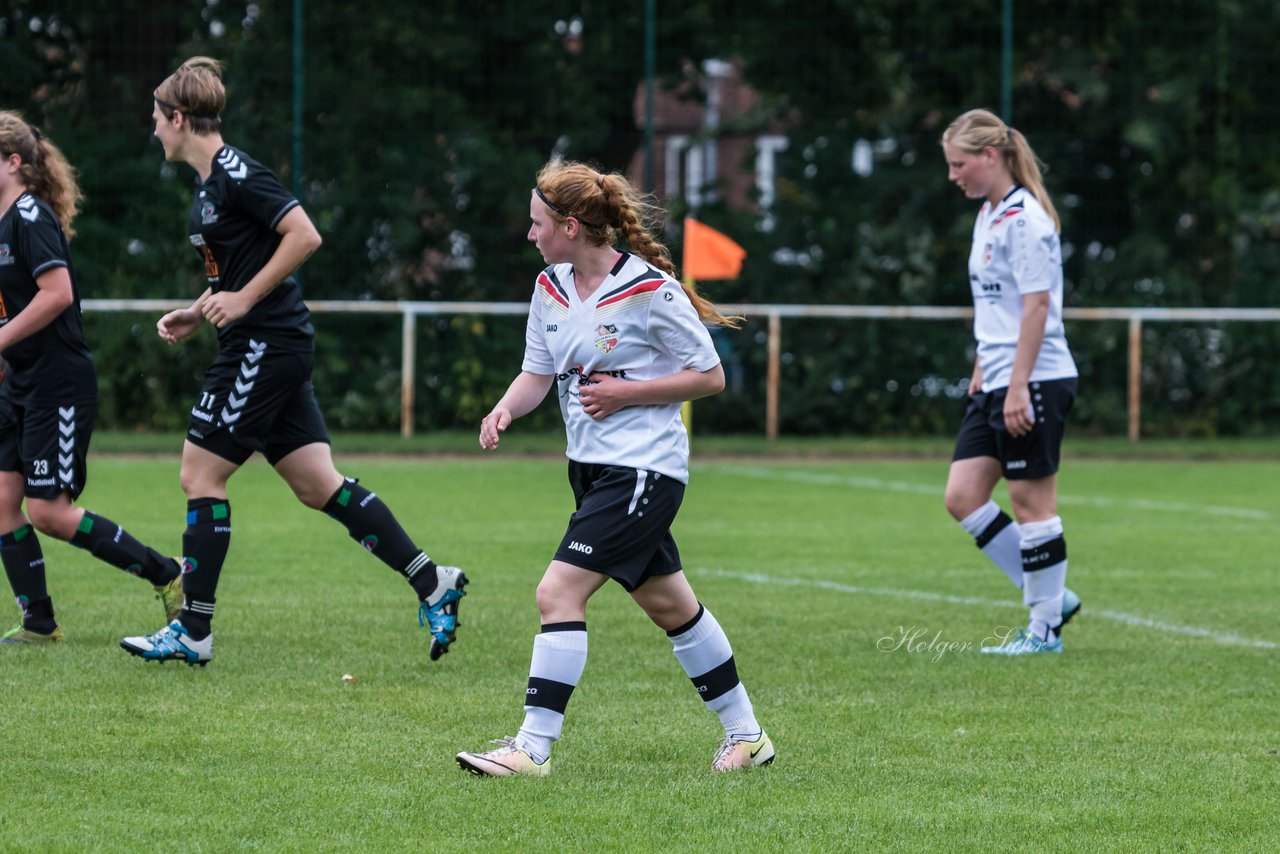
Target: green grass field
<point>1156,730</point>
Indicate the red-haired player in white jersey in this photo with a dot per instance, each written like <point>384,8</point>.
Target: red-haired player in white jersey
<point>623,344</point>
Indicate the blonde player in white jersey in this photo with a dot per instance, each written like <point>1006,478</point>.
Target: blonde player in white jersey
<point>1024,379</point>
<point>623,344</point>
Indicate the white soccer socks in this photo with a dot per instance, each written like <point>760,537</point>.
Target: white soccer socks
<point>559,657</point>
<point>999,538</point>
<point>1044,573</point>
<point>703,651</point>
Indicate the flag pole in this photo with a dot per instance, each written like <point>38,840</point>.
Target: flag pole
<point>686,408</point>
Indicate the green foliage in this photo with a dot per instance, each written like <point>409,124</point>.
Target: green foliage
<point>423,125</point>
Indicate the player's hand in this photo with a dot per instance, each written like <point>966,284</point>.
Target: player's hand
<point>225,307</point>
<point>602,395</point>
<point>178,325</point>
<point>975,381</point>
<point>492,428</point>
<point>1019,417</point>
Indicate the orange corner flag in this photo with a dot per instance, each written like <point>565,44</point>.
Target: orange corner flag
<point>708,254</point>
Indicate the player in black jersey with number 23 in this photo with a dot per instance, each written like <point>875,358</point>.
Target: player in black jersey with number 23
<point>50,396</point>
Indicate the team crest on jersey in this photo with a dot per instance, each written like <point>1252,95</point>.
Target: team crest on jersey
<point>208,215</point>
<point>6,256</point>
<point>606,337</point>
<point>987,252</point>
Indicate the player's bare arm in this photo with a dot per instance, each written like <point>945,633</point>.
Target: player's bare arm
<point>299,239</point>
<point>523,395</point>
<point>53,297</point>
<point>180,324</point>
<point>604,394</point>
<point>1019,417</point>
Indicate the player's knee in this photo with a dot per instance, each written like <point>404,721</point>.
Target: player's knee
<point>548,598</point>
<point>310,496</point>
<point>52,520</point>
<point>193,485</point>
<point>960,502</point>
<point>663,612</point>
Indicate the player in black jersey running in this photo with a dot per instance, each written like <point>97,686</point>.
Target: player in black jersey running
<point>50,394</point>
<point>257,395</point>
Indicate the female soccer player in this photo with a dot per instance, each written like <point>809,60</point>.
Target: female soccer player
<point>257,395</point>
<point>1024,379</point>
<point>50,395</point>
<point>623,343</point>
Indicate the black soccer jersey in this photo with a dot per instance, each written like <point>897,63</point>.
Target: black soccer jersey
<point>232,225</point>
<point>54,365</point>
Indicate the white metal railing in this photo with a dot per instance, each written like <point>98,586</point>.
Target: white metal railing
<point>411,310</point>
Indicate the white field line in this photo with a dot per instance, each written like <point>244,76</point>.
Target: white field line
<point>881,485</point>
<point>1225,638</point>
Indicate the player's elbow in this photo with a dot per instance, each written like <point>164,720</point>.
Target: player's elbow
<point>713,381</point>
<point>62,299</point>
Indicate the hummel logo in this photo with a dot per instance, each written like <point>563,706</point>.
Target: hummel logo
<point>27,209</point>
<point>235,167</point>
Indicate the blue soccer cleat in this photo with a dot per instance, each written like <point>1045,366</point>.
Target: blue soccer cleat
<point>1022,643</point>
<point>1070,605</point>
<point>171,642</point>
<point>438,613</point>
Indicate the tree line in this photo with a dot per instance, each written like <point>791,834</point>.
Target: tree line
<point>423,125</point>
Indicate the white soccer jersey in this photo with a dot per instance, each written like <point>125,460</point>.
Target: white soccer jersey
<point>1016,251</point>
<point>638,325</point>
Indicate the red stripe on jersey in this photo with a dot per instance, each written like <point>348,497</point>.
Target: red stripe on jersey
<point>546,284</point>
<point>1011,212</point>
<point>642,288</point>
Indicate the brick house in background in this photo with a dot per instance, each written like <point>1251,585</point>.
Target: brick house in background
<point>694,157</point>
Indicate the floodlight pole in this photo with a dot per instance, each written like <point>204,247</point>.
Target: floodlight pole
<point>650,71</point>
<point>299,79</point>
<point>1006,63</point>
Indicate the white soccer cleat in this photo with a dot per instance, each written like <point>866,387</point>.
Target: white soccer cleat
<point>506,761</point>
<point>736,753</point>
<point>171,642</point>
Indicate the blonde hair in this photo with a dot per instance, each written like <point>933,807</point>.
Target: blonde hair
<point>979,129</point>
<point>196,91</point>
<point>607,207</point>
<point>45,171</point>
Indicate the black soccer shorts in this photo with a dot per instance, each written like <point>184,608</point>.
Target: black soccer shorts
<point>1035,455</point>
<point>622,527</point>
<point>48,444</point>
<point>257,397</point>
